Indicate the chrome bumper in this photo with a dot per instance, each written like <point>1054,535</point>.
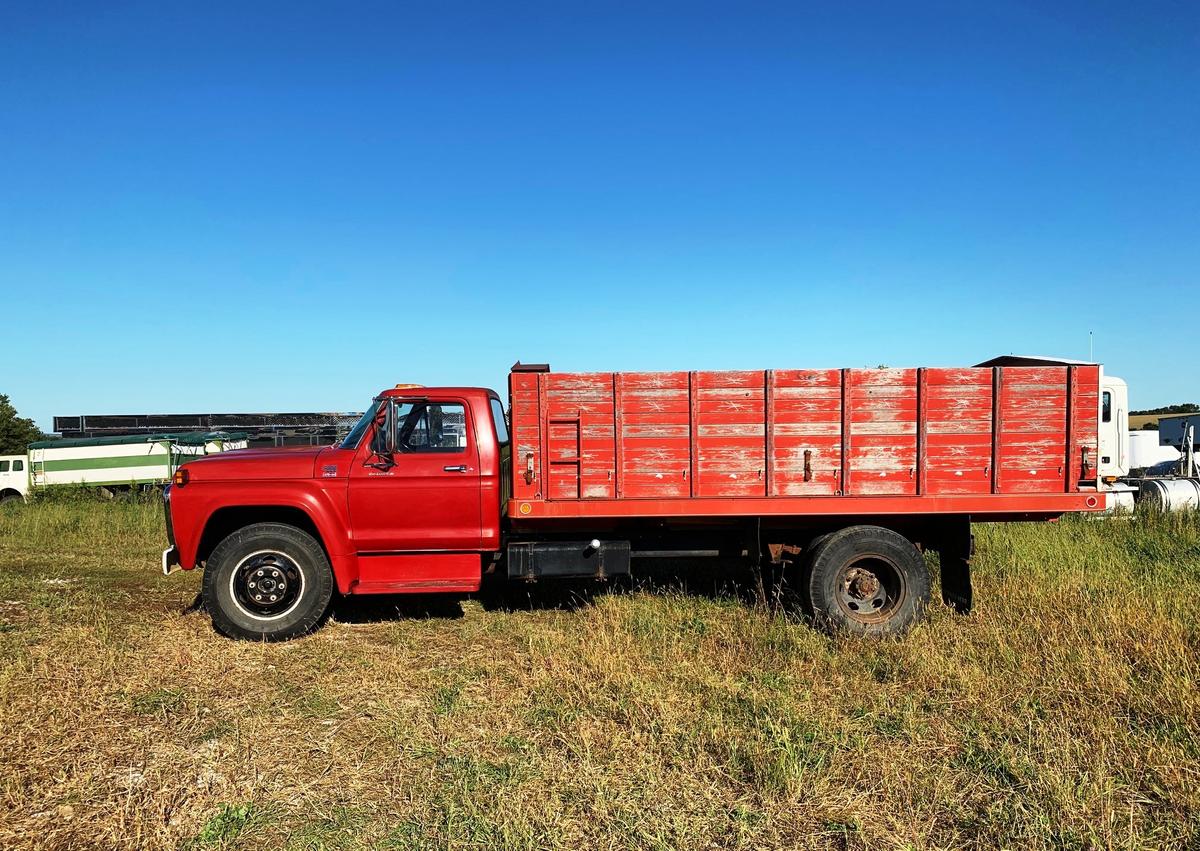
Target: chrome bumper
<point>170,556</point>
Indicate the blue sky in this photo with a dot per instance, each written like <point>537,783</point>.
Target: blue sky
<point>289,206</point>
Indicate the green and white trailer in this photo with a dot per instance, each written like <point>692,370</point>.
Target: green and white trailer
<point>132,461</point>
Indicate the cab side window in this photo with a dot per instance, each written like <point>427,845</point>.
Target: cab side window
<point>1106,408</point>
<point>431,427</point>
<point>3,466</point>
<point>18,466</point>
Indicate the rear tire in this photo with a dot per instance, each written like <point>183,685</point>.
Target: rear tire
<point>867,580</point>
<point>267,582</point>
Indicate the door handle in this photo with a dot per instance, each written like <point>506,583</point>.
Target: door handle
<point>461,468</point>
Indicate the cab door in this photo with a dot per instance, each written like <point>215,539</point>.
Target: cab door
<point>428,496</point>
<point>1113,438</point>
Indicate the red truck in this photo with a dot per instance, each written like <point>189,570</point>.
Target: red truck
<point>839,478</point>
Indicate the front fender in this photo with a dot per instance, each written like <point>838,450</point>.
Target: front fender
<point>322,501</point>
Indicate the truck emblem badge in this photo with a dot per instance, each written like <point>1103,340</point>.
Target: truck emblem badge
<point>329,471</point>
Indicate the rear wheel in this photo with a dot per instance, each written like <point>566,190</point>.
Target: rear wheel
<point>267,582</point>
<point>867,580</point>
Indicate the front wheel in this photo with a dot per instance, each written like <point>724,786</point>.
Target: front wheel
<point>267,582</point>
<point>867,580</point>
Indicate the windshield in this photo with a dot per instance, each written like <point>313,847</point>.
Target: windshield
<point>351,440</point>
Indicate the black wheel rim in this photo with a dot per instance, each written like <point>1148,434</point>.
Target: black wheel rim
<point>870,589</point>
<point>266,585</point>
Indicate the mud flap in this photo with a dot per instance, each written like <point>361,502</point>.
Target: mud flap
<point>955,550</point>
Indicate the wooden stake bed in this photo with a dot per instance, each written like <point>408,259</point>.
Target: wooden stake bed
<point>1003,441</point>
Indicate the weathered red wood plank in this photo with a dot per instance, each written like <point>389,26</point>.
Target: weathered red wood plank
<point>941,377</point>
<point>807,378</point>
<point>749,379</point>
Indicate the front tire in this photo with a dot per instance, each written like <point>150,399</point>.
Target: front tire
<point>867,580</point>
<point>267,582</point>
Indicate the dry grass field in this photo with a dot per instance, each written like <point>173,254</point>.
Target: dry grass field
<point>1064,713</point>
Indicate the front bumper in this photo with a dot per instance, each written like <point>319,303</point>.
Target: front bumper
<point>170,556</point>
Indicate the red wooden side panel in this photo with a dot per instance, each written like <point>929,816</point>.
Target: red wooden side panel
<point>881,421</point>
<point>805,432</point>
<point>729,433</point>
<point>795,433</point>
<point>577,427</point>
<point>957,434</point>
<point>526,434</point>
<point>1085,425</point>
<point>1032,429</point>
<point>653,420</point>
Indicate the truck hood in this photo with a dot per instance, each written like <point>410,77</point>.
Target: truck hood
<point>291,462</point>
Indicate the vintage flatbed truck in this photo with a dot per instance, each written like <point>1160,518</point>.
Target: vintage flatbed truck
<point>840,477</point>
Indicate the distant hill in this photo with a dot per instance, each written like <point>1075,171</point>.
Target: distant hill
<point>1185,408</point>
<point>1148,419</point>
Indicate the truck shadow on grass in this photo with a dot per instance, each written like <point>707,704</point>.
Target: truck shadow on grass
<point>378,608</point>
<point>704,578</point>
<point>699,578</point>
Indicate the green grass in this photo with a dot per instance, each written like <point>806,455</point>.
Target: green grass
<point>1063,713</point>
<point>227,824</point>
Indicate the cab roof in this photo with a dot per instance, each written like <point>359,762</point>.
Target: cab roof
<point>415,392</point>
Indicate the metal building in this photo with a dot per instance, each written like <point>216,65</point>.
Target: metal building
<point>292,429</point>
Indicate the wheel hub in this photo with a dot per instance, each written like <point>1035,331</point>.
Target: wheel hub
<point>862,584</point>
<point>266,584</point>
<point>870,589</point>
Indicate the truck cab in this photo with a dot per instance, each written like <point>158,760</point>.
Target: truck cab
<point>409,501</point>
<point>14,477</point>
<point>1113,430</point>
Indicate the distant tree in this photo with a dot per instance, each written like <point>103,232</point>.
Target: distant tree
<point>16,433</point>
<point>1185,408</point>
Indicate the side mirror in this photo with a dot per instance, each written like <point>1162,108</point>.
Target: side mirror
<point>383,443</point>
